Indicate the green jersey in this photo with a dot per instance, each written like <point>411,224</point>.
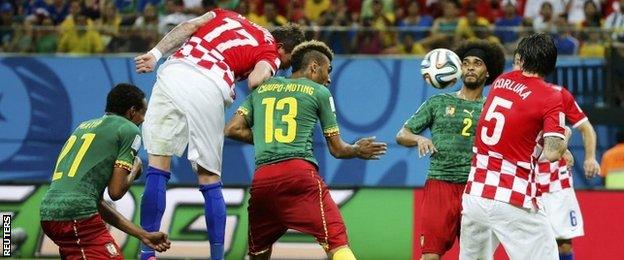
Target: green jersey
<point>85,165</point>
<point>452,122</point>
<point>282,114</point>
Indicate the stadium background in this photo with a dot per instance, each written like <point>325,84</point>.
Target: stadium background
<point>44,97</point>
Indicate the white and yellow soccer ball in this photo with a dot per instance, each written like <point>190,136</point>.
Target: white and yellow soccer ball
<point>441,68</point>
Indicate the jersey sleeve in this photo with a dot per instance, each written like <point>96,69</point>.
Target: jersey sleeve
<point>571,109</point>
<point>246,110</point>
<point>422,119</point>
<point>553,116</point>
<point>129,142</point>
<point>269,56</point>
<point>327,113</point>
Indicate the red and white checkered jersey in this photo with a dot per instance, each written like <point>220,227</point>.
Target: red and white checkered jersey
<point>230,46</point>
<point>516,110</point>
<point>555,176</point>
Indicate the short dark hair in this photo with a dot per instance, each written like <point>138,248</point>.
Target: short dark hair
<point>289,36</point>
<point>619,136</point>
<point>538,53</point>
<point>494,56</point>
<point>123,97</point>
<point>309,51</point>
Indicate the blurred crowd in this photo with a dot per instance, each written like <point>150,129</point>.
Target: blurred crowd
<point>580,27</point>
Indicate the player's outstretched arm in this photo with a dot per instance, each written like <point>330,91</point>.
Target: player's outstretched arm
<point>156,240</point>
<point>238,129</point>
<point>121,179</point>
<point>406,138</point>
<point>590,165</point>
<point>178,35</point>
<point>554,147</point>
<point>260,73</point>
<point>365,148</point>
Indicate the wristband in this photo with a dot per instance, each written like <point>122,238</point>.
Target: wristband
<point>156,53</point>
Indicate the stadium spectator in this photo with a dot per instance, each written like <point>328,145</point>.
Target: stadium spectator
<point>447,23</point>
<point>108,26</point>
<point>23,39</point>
<point>565,42</point>
<point>488,9</point>
<point>613,159</point>
<point>6,26</point>
<point>271,17</point>
<point>175,15</point>
<point>57,10</point>
<point>506,26</point>
<point>593,46</point>
<point>576,10</point>
<point>46,37</point>
<point>140,4</point>
<point>380,21</point>
<point>407,46</point>
<point>591,20</point>
<point>415,23</point>
<point>473,27</point>
<point>91,9</point>
<point>532,8</point>
<point>545,22</point>
<point>75,8</point>
<point>314,8</point>
<point>336,15</point>
<point>80,39</point>
<point>368,40</point>
<point>367,8</point>
<point>615,22</point>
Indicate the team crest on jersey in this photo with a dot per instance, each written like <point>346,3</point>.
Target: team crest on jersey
<point>112,250</point>
<point>450,110</point>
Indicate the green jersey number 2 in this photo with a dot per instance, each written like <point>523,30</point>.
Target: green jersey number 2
<point>270,133</point>
<point>88,139</point>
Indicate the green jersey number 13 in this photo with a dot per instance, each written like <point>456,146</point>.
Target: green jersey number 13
<point>270,133</point>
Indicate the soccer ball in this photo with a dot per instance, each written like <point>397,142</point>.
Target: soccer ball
<point>441,68</point>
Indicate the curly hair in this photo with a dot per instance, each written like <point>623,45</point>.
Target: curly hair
<point>309,51</point>
<point>123,97</point>
<point>494,60</point>
<point>289,36</point>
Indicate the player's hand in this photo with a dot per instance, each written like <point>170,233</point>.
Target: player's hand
<point>591,167</point>
<point>425,147</point>
<point>137,167</point>
<point>145,63</point>
<point>156,240</point>
<point>567,156</point>
<point>368,149</point>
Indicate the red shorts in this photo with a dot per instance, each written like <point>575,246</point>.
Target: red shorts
<point>291,194</point>
<point>85,238</point>
<point>441,216</point>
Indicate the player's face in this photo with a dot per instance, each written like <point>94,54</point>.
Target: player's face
<point>137,116</point>
<point>320,72</point>
<point>284,58</point>
<point>474,72</point>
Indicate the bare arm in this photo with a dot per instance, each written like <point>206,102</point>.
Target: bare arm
<point>406,138</point>
<point>238,129</point>
<point>590,165</point>
<point>155,240</point>
<point>260,73</point>
<point>554,147</point>
<point>365,148</point>
<point>173,39</point>
<point>122,179</point>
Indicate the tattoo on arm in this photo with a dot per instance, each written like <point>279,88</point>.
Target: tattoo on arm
<point>178,35</point>
<point>554,145</point>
